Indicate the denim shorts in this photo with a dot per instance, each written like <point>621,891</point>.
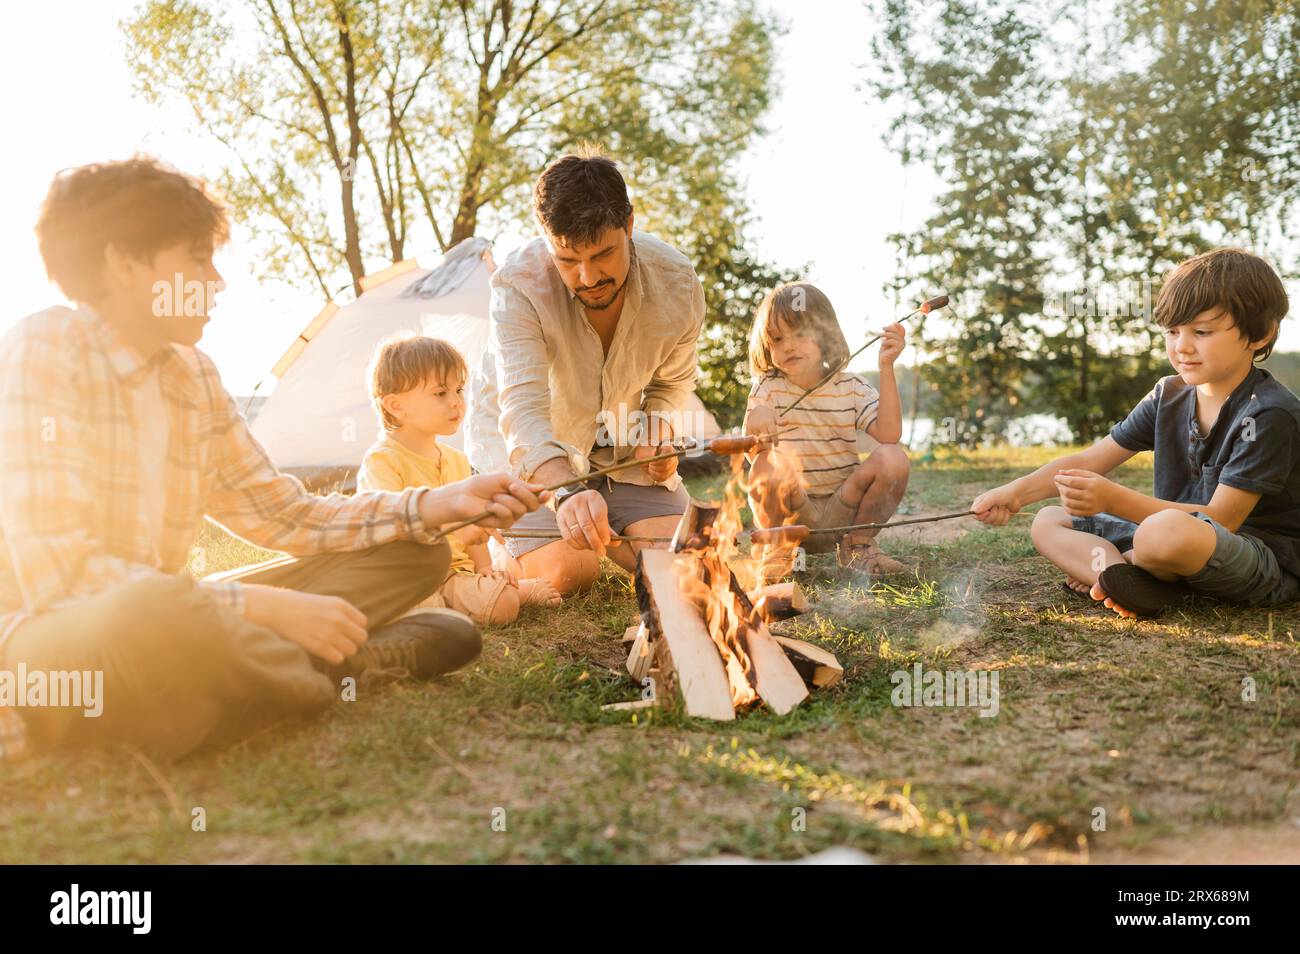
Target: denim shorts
<point>1241,570</point>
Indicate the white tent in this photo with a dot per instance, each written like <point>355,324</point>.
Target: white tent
<point>319,420</point>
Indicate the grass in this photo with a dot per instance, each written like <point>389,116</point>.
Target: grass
<point>515,761</point>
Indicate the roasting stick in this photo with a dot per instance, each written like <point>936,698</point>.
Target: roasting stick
<point>791,533</point>
<point>721,446</point>
<point>925,309</point>
<point>898,523</point>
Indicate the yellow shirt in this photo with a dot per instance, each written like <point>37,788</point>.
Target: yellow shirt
<point>390,465</point>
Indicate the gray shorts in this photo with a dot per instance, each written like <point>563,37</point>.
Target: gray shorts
<point>1241,570</point>
<point>627,504</point>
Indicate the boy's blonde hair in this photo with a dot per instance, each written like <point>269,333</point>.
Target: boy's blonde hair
<point>797,305</point>
<point>407,360</point>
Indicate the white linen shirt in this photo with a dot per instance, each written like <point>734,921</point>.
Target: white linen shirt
<point>545,387</point>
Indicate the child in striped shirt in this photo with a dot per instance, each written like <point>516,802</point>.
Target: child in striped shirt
<point>795,342</point>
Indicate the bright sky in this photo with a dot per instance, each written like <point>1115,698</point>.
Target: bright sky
<point>826,189</point>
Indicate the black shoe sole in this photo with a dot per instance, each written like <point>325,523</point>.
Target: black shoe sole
<point>1139,592</point>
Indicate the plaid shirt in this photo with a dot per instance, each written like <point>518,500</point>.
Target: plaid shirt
<point>73,514</point>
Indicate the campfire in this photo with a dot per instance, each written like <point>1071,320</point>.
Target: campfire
<point>703,637</point>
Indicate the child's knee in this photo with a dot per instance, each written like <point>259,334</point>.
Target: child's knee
<point>891,459</point>
<point>1162,537</point>
<point>506,609</point>
<point>1047,520</point>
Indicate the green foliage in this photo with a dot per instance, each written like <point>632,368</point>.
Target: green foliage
<point>1086,149</point>
<point>362,129</point>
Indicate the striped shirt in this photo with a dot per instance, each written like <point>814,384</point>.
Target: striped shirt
<point>828,428</point>
<point>75,501</point>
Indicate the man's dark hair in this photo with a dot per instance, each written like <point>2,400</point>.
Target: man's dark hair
<point>138,205</point>
<point>580,197</point>
<point>1228,279</point>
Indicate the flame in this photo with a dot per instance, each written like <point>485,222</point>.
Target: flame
<point>707,581</point>
<point>775,482</point>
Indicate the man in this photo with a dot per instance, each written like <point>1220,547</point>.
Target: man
<point>116,438</point>
<point>591,358</point>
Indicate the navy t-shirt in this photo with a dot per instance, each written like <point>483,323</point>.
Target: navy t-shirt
<point>1254,446</point>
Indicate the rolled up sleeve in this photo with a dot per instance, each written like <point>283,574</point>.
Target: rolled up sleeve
<point>673,382</point>
<point>523,381</point>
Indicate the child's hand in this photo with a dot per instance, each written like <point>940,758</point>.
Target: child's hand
<point>995,506</point>
<point>761,421</point>
<point>506,574</point>
<point>891,346</point>
<point>474,535</point>
<point>1083,493</point>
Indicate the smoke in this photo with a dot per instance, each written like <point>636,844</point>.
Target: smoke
<point>963,615</point>
<point>856,602</point>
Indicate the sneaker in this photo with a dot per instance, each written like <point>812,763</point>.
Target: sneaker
<point>423,645</point>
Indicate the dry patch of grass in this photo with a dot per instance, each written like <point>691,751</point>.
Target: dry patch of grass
<point>515,761</point>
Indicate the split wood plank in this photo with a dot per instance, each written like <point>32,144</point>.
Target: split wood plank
<point>817,666</point>
<point>672,621</point>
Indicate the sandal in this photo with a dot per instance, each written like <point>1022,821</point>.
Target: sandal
<point>869,557</point>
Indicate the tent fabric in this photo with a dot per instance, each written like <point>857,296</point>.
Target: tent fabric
<point>319,420</point>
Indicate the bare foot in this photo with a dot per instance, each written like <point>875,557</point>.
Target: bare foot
<point>1077,586</point>
<point>1098,594</point>
<point>538,592</point>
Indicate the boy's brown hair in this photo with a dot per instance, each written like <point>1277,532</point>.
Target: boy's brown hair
<point>797,305</point>
<point>580,197</point>
<point>137,205</point>
<point>406,361</point>
<point>1232,280</point>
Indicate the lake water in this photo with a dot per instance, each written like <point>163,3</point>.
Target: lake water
<point>1028,431</point>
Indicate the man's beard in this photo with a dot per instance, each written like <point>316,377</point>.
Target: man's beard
<point>612,298</point>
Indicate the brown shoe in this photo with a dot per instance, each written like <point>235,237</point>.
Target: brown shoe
<point>869,557</point>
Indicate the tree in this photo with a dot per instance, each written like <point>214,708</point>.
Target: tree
<point>1161,128</point>
<point>359,129</point>
<point>970,110</point>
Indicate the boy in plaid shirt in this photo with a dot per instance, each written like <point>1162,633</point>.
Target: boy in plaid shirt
<point>117,438</point>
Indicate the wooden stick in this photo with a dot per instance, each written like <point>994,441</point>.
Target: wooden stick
<point>554,535</point>
<point>901,523</point>
<point>722,446</point>
<point>793,532</point>
<point>892,523</point>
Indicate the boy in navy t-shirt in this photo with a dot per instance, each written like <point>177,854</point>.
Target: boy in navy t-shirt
<point>1225,518</point>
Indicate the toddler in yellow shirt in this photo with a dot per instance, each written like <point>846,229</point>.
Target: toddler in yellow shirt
<point>418,386</point>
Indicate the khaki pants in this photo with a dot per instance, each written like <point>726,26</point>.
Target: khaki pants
<point>181,670</point>
<point>487,600</point>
